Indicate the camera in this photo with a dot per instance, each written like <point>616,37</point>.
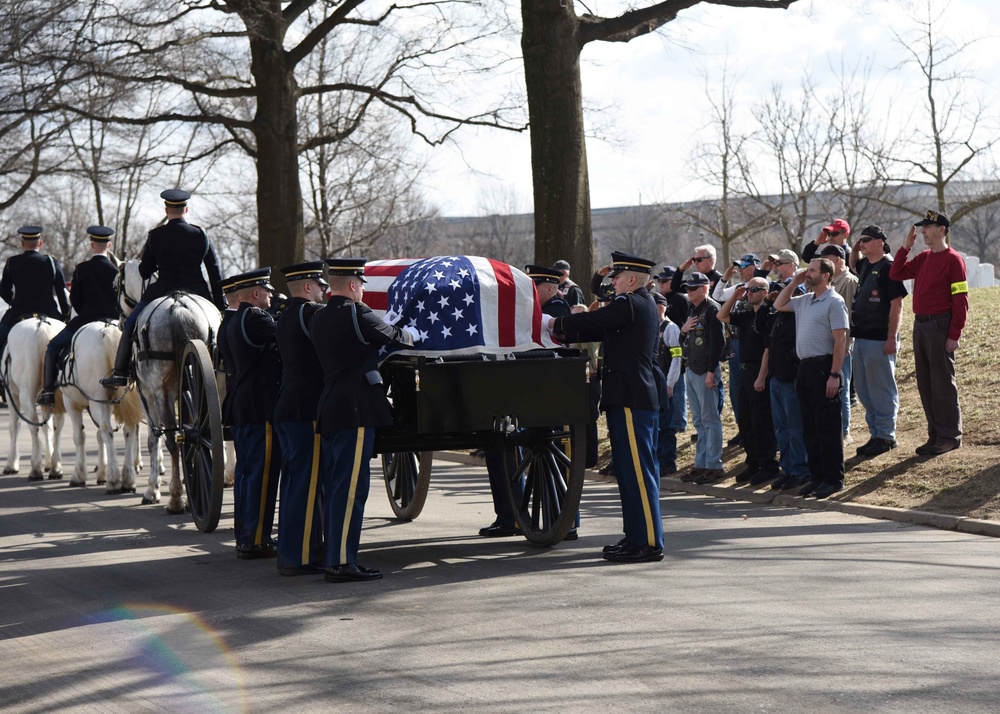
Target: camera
<point>605,293</point>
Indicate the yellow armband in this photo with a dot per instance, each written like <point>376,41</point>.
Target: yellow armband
<point>676,351</point>
<point>961,287</point>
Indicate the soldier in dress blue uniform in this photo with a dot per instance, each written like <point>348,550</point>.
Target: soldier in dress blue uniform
<point>300,525</point>
<point>177,250</point>
<point>32,284</point>
<point>347,336</point>
<point>93,296</point>
<point>547,287</point>
<point>628,326</point>
<point>251,343</point>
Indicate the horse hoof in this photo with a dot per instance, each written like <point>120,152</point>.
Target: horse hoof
<point>8,472</point>
<point>149,501</point>
<point>35,477</point>
<point>55,475</point>
<point>77,484</point>
<point>126,489</point>
<point>112,491</point>
<point>101,481</point>
<point>171,512</point>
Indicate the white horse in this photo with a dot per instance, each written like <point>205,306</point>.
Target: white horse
<point>22,361</point>
<point>92,357</point>
<point>164,328</point>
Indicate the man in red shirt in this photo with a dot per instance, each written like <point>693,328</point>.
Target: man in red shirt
<point>941,305</point>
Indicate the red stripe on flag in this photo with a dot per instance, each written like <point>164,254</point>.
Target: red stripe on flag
<point>506,303</point>
<point>536,322</point>
<point>376,300</point>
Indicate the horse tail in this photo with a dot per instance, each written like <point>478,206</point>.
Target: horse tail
<point>180,331</point>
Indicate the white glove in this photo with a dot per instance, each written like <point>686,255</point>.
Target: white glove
<point>413,332</point>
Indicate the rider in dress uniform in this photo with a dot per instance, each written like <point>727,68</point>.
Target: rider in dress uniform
<point>547,287</point>
<point>629,328</point>
<point>347,336</point>
<point>251,343</point>
<point>177,250</point>
<point>93,296</point>
<point>300,526</point>
<point>32,284</point>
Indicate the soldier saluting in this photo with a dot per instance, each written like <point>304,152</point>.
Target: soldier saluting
<point>177,250</point>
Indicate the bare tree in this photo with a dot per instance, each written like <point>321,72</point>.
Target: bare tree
<point>415,234</point>
<point>236,69</point>
<point>953,129</point>
<point>722,162</point>
<point>552,39</point>
<point>505,229</point>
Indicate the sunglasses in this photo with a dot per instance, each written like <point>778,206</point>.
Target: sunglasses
<point>868,239</point>
<point>698,260</point>
<point>782,262</point>
<point>756,290</point>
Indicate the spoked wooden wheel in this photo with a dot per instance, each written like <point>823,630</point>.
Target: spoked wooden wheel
<point>543,471</point>
<point>199,436</point>
<point>407,476</point>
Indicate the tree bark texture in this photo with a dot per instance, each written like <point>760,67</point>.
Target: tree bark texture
<point>275,127</point>
<point>551,47</point>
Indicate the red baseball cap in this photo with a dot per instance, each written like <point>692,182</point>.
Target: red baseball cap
<point>838,226</point>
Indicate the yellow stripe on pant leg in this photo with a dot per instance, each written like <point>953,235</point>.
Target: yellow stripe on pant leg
<point>263,486</point>
<point>311,503</point>
<point>637,468</point>
<point>359,448</point>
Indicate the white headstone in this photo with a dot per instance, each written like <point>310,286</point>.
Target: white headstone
<point>987,275</point>
<point>972,270</point>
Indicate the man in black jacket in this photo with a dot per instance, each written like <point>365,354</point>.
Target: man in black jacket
<point>300,527</point>
<point>703,339</point>
<point>347,336</point>
<point>629,328</point>
<point>256,365</point>
<point>92,294</point>
<point>32,283</point>
<point>177,250</point>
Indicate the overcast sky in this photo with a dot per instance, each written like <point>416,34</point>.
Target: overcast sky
<point>654,102</point>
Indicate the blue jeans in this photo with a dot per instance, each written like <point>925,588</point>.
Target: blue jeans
<point>787,418</point>
<point>845,392</point>
<point>706,419</point>
<point>875,381</point>
<point>666,444</point>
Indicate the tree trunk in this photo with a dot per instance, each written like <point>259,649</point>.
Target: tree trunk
<point>281,238</point>
<point>551,47</point>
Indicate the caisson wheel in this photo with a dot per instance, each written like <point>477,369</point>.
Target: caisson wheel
<point>407,476</point>
<point>199,436</point>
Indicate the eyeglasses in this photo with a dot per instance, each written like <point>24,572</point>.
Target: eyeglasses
<point>782,262</point>
<point>756,290</point>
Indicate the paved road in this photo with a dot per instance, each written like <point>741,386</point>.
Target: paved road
<point>109,606</point>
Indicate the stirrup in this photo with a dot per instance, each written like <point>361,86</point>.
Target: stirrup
<point>114,381</point>
<point>46,398</point>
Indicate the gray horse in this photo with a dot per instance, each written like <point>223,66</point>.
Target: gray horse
<point>164,328</point>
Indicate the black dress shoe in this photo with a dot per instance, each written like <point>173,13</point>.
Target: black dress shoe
<point>256,552</point>
<point>617,546</point>
<point>572,534</point>
<point>943,447</point>
<point>633,553</point>
<point>352,572</point>
<point>808,488</point>
<point>828,489</point>
<point>498,530</point>
<point>308,569</point>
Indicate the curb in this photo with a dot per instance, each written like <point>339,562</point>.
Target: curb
<point>941,521</point>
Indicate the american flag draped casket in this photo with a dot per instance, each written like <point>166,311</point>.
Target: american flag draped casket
<point>461,305</point>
